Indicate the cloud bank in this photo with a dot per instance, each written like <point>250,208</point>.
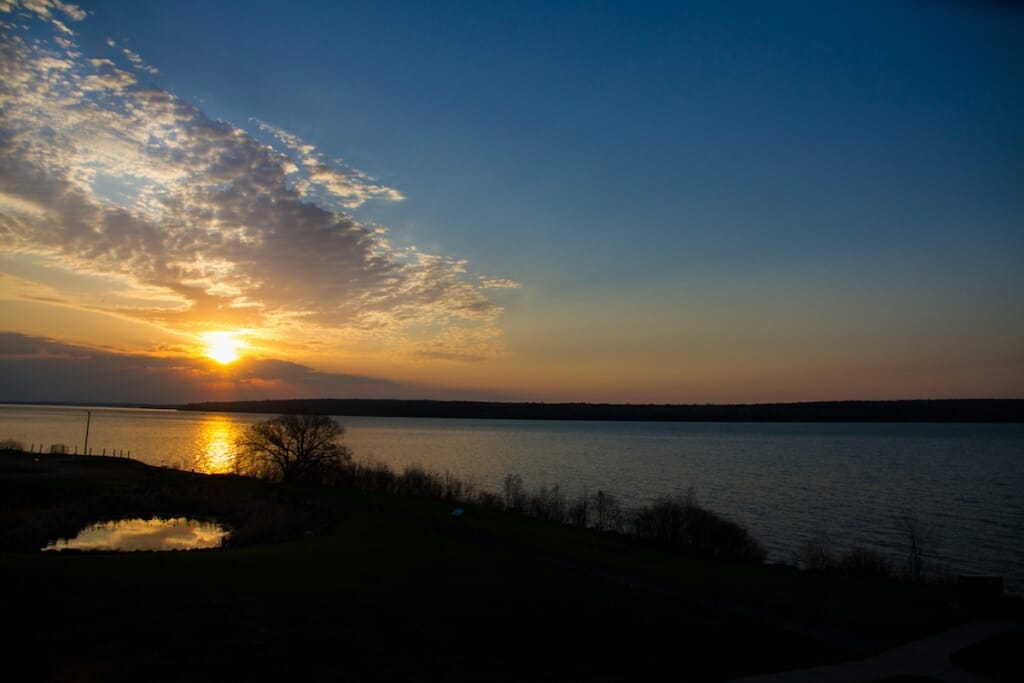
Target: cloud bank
<point>104,172</point>
<point>37,369</point>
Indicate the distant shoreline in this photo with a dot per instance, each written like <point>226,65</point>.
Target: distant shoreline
<point>938,410</point>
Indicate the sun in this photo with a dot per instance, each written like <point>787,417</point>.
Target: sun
<point>223,347</point>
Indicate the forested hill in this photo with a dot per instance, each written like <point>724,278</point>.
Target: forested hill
<point>967,410</point>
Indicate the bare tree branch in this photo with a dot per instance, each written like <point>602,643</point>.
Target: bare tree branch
<point>293,448</point>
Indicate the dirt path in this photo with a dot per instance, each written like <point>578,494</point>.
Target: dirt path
<point>928,658</point>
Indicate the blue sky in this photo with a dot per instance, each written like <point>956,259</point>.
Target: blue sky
<point>693,201</point>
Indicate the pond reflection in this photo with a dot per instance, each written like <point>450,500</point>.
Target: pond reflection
<point>126,535</point>
<point>215,444</point>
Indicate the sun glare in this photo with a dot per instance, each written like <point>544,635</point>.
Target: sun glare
<point>223,347</point>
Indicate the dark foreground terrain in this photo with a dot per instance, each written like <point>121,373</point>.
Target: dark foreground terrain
<point>331,584</point>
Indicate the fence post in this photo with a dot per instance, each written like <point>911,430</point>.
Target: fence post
<point>88,419</point>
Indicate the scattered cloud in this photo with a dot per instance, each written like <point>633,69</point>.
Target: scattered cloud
<point>498,283</point>
<point>137,62</point>
<point>44,9</point>
<point>351,186</point>
<point>462,345</point>
<point>103,172</point>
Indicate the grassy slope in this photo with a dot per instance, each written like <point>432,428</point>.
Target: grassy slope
<point>398,589</point>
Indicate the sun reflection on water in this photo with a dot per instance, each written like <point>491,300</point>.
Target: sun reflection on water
<point>216,445</point>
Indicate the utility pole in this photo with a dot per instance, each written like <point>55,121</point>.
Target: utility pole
<point>88,419</point>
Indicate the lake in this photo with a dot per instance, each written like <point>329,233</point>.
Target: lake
<point>786,482</point>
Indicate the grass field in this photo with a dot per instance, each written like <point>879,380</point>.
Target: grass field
<point>329,584</point>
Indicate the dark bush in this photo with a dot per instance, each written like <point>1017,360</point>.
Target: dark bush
<point>579,511</point>
<point>547,504</point>
<point>489,499</point>
<point>515,496</point>
<point>816,555</point>
<point>861,561</point>
<point>417,481</point>
<point>607,514</point>
<point>682,523</point>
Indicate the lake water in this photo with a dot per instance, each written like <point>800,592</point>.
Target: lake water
<point>787,483</point>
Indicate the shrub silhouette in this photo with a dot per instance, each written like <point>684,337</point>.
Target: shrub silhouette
<point>548,504</point>
<point>415,480</point>
<point>861,561</point>
<point>918,543</point>
<point>515,497</point>
<point>680,522</point>
<point>579,511</point>
<point>607,512</point>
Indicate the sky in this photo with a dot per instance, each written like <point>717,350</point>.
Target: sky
<point>545,201</point>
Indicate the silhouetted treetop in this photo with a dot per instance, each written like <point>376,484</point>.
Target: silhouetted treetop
<point>293,448</point>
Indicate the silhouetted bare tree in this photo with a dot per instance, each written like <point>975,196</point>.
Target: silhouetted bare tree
<point>293,448</point>
<point>607,512</point>
<point>861,561</point>
<point>579,510</point>
<point>917,542</point>
<point>515,497</point>
<point>547,503</point>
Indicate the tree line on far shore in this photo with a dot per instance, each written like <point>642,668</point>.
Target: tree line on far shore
<point>930,410</point>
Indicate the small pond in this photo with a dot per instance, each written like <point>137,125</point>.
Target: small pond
<point>128,535</point>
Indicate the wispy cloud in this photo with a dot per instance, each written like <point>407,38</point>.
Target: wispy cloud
<point>103,171</point>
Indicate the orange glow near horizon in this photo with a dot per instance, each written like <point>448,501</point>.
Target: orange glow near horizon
<point>223,347</point>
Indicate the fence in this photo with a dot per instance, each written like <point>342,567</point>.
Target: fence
<point>61,449</point>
